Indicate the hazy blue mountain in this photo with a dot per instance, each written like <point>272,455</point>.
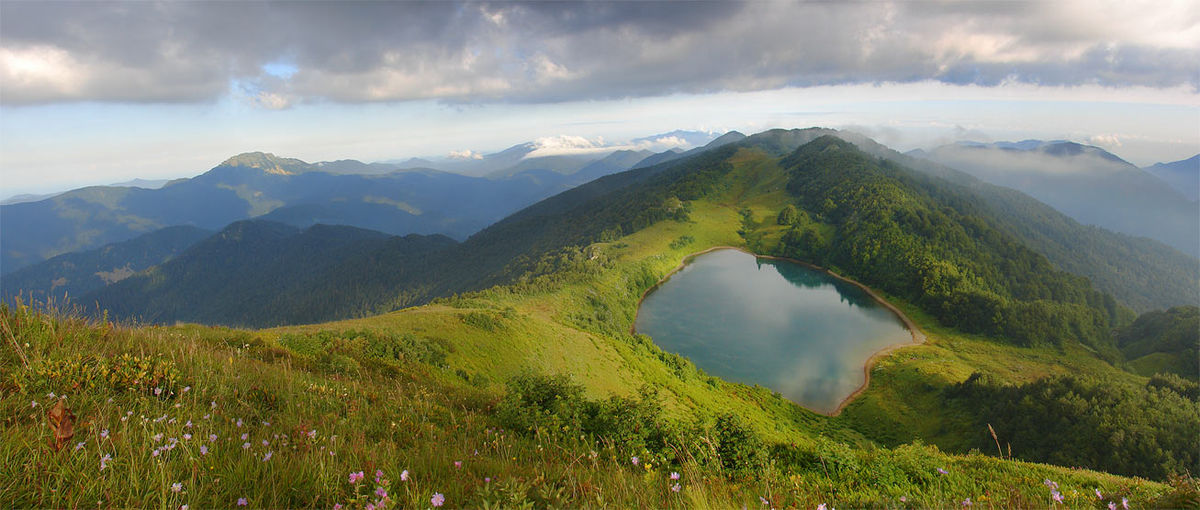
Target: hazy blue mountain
<point>690,138</point>
<point>1182,175</point>
<point>1087,183</point>
<point>351,166</point>
<point>660,157</point>
<point>254,269</point>
<point>422,201</point>
<point>76,274</point>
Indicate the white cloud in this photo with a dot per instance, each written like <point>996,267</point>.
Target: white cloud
<point>464,154</point>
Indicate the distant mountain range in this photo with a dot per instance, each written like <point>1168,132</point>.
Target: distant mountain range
<point>1087,183</point>
<point>264,272</point>
<point>1182,175</point>
<point>376,196</point>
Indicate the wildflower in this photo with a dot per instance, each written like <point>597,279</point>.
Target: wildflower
<point>50,395</point>
<point>674,475</point>
<point>239,422</point>
<point>1057,496</point>
<point>767,503</point>
<point>266,423</point>
<point>187,389</point>
<point>903,499</point>
<point>212,438</point>
<point>206,416</point>
<point>312,434</point>
<point>943,471</point>
<point>370,506</point>
<point>268,456</point>
<point>675,488</point>
<point>437,500</point>
<point>242,502</point>
<point>157,437</point>
<point>245,436</point>
<point>1098,496</point>
<point>378,476</point>
<point>183,507</point>
<point>404,476</point>
<point>157,391</point>
<point>821,506</point>
<point>356,477</point>
<point>155,453</point>
<point>1112,505</point>
<point>634,460</point>
<point>381,492</point>
<point>187,437</point>
<point>104,461</point>
<point>33,404</point>
<point>487,479</point>
<point>203,450</point>
<point>458,464</point>
<point>188,424</point>
<point>265,442</point>
<point>176,487</point>
<point>1125,503</point>
<point>213,405</point>
<point>79,446</point>
<point>246,446</point>
<point>966,502</point>
<point>104,434</point>
<point>1051,485</point>
<point>337,506</point>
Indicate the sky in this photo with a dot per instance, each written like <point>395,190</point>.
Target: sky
<point>101,92</point>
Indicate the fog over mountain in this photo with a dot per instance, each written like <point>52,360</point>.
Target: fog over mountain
<point>1087,183</point>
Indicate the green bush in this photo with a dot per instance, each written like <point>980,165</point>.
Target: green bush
<point>740,449</point>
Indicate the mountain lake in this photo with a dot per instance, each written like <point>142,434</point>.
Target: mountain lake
<point>796,330</point>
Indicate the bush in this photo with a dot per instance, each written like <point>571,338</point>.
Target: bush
<point>740,449</point>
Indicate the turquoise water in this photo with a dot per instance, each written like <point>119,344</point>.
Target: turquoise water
<point>781,325</point>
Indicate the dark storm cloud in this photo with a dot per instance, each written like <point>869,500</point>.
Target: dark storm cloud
<point>554,51</point>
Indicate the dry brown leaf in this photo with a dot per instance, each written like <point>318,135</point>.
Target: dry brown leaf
<point>62,423</point>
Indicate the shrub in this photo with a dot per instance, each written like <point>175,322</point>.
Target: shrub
<point>740,449</point>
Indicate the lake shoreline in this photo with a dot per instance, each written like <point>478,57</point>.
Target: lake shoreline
<point>918,337</point>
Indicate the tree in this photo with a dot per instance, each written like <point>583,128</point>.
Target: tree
<point>787,216</point>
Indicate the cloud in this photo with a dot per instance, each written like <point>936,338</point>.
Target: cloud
<point>464,154</point>
<point>547,52</point>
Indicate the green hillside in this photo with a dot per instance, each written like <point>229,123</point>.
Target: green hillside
<point>527,389</point>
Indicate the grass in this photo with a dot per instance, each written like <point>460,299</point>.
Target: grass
<point>319,402</point>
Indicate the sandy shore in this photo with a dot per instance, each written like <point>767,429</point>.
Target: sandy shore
<point>917,336</point>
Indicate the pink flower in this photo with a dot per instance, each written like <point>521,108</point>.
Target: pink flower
<point>381,492</point>
<point>903,499</point>
<point>404,476</point>
<point>437,500</point>
<point>104,461</point>
<point>966,502</point>
<point>268,456</point>
<point>634,460</point>
<point>943,471</point>
<point>674,475</point>
<point>1098,496</point>
<point>1125,503</point>
<point>675,488</point>
<point>458,464</point>
<point>337,506</point>
<point>176,487</point>
<point>203,450</point>
<point>1112,505</point>
<point>245,446</point>
<point>242,502</point>
<point>768,503</point>
<point>378,475</point>
<point>1057,496</point>
<point>821,506</point>
<point>104,433</point>
<point>357,477</point>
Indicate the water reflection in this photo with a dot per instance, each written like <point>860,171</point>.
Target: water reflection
<point>790,328</point>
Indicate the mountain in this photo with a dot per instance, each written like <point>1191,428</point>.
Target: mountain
<point>661,157</point>
<point>133,183</point>
<point>1018,284</point>
<point>1087,183</point>
<point>1182,175</point>
<point>258,268</point>
<point>524,353</point>
<point>279,189</point>
<point>76,274</point>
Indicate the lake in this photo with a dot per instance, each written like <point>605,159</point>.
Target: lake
<point>790,328</point>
